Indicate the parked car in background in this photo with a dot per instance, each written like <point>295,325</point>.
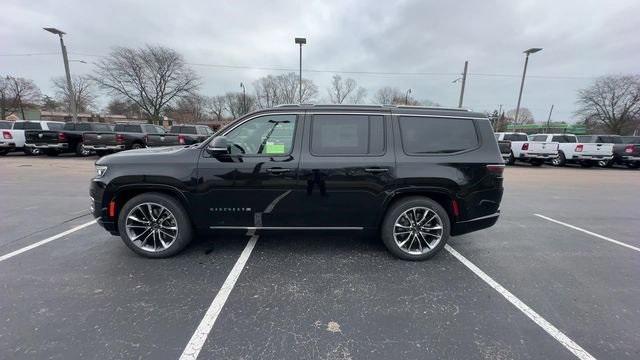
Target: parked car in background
<point>13,139</point>
<point>505,148</point>
<point>626,149</point>
<point>523,149</point>
<point>572,151</point>
<point>124,137</point>
<point>415,175</point>
<point>69,139</point>
<point>191,134</point>
<point>186,135</point>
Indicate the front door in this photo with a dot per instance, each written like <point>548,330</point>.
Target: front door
<point>249,187</point>
<point>348,165</point>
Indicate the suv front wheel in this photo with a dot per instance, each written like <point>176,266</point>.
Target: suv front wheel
<point>415,228</point>
<point>154,225</point>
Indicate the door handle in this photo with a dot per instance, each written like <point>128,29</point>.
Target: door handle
<point>278,170</point>
<point>376,170</point>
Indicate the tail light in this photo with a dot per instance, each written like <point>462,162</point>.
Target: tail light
<point>120,138</point>
<point>496,169</point>
<point>579,147</point>
<point>525,146</point>
<point>62,137</point>
<point>7,135</point>
<point>629,149</point>
<point>181,139</point>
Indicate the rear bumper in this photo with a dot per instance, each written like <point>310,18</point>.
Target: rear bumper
<point>538,156</point>
<point>104,147</point>
<point>60,146</point>
<point>630,158</point>
<point>467,226</point>
<point>7,145</point>
<point>592,157</point>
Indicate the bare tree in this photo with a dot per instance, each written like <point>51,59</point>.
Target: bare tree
<point>50,104</point>
<point>84,89</point>
<point>16,94</point>
<point>524,116</point>
<point>340,89</point>
<point>124,107</point>
<point>613,101</point>
<point>393,96</point>
<point>359,96</point>
<point>237,104</point>
<point>152,77</point>
<point>188,110</point>
<point>283,89</point>
<point>216,107</point>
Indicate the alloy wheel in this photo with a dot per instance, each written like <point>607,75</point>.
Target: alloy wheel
<point>151,227</point>
<point>418,230</point>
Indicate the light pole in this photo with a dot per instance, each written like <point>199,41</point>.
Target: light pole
<point>524,73</point>
<point>244,98</point>
<point>300,41</point>
<point>74,110</point>
<point>406,97</point>
<point>464,81</point>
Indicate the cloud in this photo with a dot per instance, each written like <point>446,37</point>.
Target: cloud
<point>581,40</point>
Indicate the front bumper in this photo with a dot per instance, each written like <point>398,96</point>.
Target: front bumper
<point>104,147</point>
<point>464,227</point>
<point>98,206</point>
<point>60,146</point>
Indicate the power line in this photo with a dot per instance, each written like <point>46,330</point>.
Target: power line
<point>336,71</point>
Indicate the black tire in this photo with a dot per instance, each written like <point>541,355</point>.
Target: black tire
<point>560,160</point>
<point>31,151</point>
<point>586,164</point>
<point>4,152</point>
<point>511,160</point>
<point>396,210</point>
<point>184,232</point>
<point>605,163</point>
<point>81,151</point>
<point>102,153</point>
<point>536,162</point>
<point>137,146</point>
<point>52,152</point>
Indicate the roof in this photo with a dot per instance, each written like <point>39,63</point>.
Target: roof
<point>404,109</point>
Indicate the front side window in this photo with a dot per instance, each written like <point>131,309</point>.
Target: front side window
<point>426,135</point>
<point>266,135</point>
<point>347,135</point>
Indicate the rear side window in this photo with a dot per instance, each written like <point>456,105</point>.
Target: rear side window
<point>516,137</point>
<point>69,126</point>
<point>610,139</point>
<point>539,138</point>
<point>83,127</point>
<point>347,135</point>
<point>128,128</point>
<point>5,125</point>
<point>585,139</point>
<point>35,126</point>
<point>425,135</point>
<point>52,126</point>
<point>101,127</point>
<point>564,139</point>
<point>631,140</point>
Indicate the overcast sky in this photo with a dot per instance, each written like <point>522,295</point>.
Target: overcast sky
<point>581,40</point>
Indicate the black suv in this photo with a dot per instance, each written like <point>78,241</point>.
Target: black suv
<point>417,175</point>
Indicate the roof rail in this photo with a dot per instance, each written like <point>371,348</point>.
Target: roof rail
<point>431,107</point>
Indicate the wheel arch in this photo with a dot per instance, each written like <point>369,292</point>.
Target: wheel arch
<point>444,197</point>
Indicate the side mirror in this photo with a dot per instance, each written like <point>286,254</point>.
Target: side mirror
<point>219,146</point>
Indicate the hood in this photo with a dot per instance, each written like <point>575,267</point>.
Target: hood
<point>141,155</point>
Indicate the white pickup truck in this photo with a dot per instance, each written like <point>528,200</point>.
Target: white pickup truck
<point>572,151</point>
<point>13,138</point>
<point>531,151</point>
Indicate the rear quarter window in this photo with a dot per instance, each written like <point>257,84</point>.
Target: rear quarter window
<point>426,135</point>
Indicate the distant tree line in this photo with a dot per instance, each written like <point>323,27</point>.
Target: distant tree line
<point>155,81</point>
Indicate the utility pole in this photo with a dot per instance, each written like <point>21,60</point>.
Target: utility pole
<point>406,97</point>
<point>244,99</point>
<point>300,41</point>
<point>549,118</point>
<point>72,93</point>
<point>464,81</point>
<point>524,73</point>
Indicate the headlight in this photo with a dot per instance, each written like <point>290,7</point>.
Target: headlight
<point>100,170</point>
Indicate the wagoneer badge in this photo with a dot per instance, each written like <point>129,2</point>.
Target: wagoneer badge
<point>40,136</point>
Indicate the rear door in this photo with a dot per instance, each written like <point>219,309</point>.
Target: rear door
<point>347,166</point>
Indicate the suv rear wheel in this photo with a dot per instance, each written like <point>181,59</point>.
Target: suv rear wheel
<point>154,225</point>
<point>415,228</point>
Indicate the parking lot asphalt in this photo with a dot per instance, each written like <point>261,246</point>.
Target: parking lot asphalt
<point>324,296</point>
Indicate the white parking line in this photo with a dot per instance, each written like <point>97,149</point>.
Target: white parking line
<point>589,232</point>
<point>47,240</point>
<point>194,346</point>
<point>569,344</point>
